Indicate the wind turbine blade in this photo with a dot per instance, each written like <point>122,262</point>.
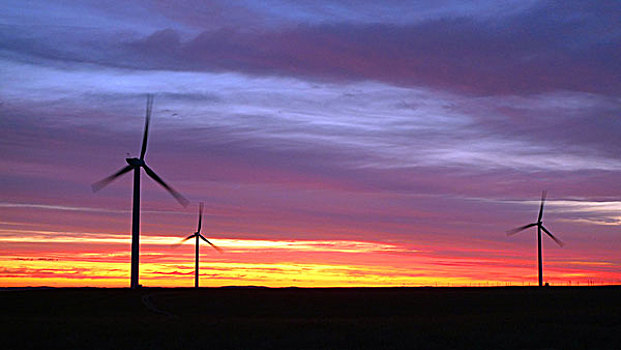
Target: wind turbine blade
<point>558,241</point>
<point>522,228</point>
<point>543,199</point>
<point>146,126</point>
<point>174,193</point>
<point>102,183</point>
<point>211,244</point>
<point>183,240</point>
<point>200,216</point>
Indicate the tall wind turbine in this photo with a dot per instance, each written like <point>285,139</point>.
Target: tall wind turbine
<point>540,227</point>
<point>136,164</point>
<point>198,235</point>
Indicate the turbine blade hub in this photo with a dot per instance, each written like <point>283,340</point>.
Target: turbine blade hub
<point>137,162</point>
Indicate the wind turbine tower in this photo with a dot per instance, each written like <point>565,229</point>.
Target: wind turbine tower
<point>136,164</point>
<point>198,236</point>
<point>540,228</point>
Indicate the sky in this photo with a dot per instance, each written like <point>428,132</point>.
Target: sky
<point>334,143</point>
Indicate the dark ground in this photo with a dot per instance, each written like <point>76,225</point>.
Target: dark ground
<point>340,318</point>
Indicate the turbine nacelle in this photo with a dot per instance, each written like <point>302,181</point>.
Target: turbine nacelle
<point>135,162</point>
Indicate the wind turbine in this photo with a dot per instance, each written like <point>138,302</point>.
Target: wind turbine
<point>198,235</point>
<point>540,227</point>
<point>136,164</point>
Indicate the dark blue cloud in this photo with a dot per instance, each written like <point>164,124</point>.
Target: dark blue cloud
<point>552,46</point>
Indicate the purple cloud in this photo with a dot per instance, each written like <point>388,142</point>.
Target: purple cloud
<point>549,47</point>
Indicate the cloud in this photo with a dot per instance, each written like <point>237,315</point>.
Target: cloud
<point>543,48</point>
<point>294,123</point>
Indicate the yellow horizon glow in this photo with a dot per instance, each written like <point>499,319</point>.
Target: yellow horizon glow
<point>75,259</point>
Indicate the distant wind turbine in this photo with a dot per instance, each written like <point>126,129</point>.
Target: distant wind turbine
<point>540,227</point>
<point>136,164</point>
<point>198,235</point>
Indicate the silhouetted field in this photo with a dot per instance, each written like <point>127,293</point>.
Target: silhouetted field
<point>347,318</point>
